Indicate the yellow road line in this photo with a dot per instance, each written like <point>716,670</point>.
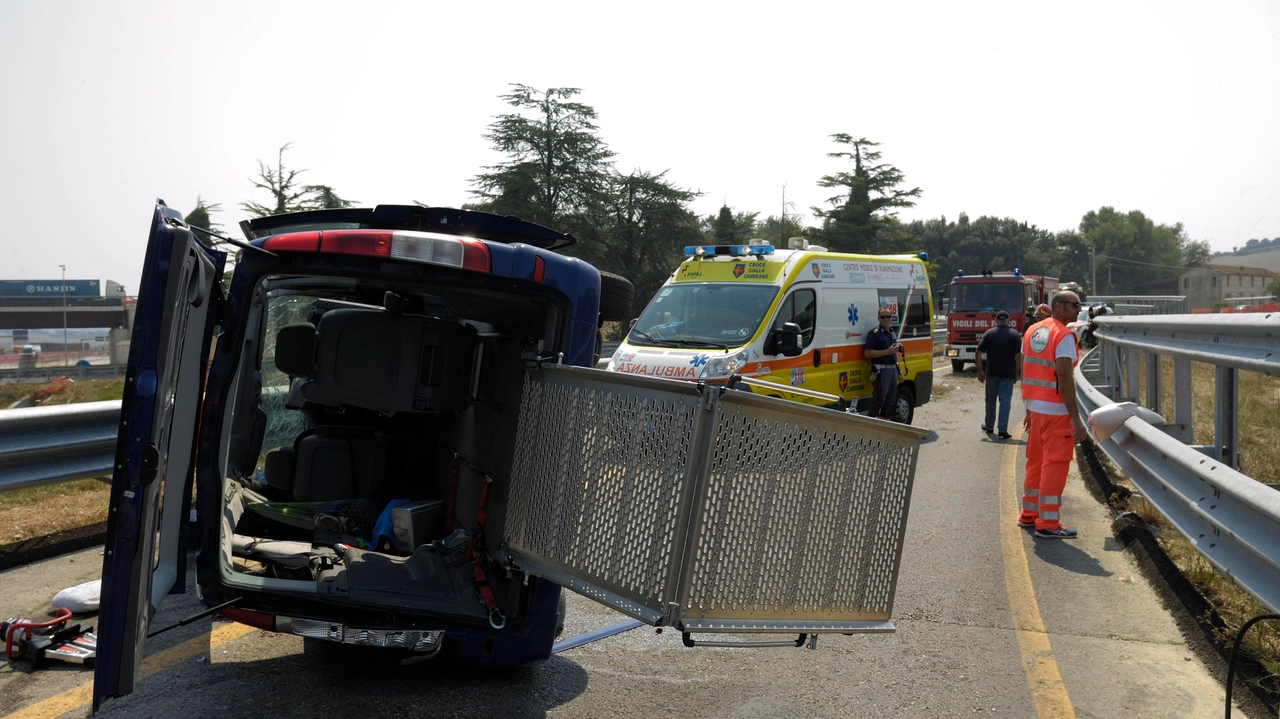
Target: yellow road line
<point>1048,693</point>
<point>82,695</point>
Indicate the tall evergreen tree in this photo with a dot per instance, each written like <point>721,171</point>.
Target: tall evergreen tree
<point>728,227</point>
<point>558,167</point>
<point>862,218</point>
<point>201,216</point>
<point>286,194</point>
<point>322,197</point>
<point>643,234</point>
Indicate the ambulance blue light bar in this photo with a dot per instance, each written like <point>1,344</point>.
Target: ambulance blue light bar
<point>727,250</point>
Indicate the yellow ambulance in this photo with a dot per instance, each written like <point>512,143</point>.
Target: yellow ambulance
<point>735,310</point>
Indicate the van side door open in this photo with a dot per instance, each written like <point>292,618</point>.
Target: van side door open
<point>151,486</point>
<point>707,509</point>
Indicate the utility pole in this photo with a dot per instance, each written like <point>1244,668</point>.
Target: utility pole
<point>1093,263</point>
<point>782,219</point>
<point>64,315</point>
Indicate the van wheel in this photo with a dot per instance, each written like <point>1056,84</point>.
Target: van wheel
<point>905,409</point>
<point>616,296</point>
<point>562,611</point>
<point>957,365</point>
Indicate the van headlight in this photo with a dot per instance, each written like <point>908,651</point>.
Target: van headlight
<point>724,365</point>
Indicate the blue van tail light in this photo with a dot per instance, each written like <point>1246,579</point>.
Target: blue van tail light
<point>428,247</point>
<point>539,269</point>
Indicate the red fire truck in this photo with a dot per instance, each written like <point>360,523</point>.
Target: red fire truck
<point>976,299</point>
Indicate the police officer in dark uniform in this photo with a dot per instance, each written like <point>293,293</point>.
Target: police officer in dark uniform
<point>883,348</point>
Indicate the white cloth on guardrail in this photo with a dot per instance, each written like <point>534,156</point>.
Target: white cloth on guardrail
<point>1106,419</point>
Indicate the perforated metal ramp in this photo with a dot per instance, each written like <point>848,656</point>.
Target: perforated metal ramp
<point>706,509</point>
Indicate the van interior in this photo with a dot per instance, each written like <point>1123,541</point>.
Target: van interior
<point>369,433</point>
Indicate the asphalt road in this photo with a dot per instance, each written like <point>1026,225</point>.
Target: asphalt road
<point>991,622</point>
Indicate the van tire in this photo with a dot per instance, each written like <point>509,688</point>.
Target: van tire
<point>957,365</point>
<point>904,410</point>
<point>616,297</point>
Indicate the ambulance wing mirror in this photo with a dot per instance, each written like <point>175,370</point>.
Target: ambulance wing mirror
<point>787,339</point>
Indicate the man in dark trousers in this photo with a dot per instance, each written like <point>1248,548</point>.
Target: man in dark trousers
<point>1001,347</point>
<point>882,348</point>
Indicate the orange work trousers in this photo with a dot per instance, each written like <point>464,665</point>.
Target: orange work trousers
<point>1050,447</point>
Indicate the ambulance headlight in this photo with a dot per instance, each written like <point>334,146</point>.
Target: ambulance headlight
<point>614,359</point>
<point>724,365</point>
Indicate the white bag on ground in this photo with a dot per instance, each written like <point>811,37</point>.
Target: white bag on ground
<point>79,599</point>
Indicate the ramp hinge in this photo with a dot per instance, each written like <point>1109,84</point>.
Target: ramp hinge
<point>670,618</point>
<point>710,397</point>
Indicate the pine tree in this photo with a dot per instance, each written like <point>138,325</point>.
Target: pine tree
<point>861,218</point>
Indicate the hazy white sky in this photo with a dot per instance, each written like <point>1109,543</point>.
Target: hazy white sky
<point>1009,109</point>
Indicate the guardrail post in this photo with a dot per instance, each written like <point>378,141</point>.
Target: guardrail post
<point>1153,381</point>
<point>1182,400</point>
<point>1226,417</point>
<point>1110,370</point>
<point>1132,367</point>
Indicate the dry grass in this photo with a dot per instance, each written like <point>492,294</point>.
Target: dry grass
<point>1259,451</point>
<point>1258,405</point>
<point>45,510</point>
<point>87,390</point>
<point>42,511</point>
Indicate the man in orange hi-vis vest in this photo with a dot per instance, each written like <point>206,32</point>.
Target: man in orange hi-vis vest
<point>1053,423</point>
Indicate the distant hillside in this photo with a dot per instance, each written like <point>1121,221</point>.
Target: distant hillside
<point>1253,246</point>
<point>1267,259</point>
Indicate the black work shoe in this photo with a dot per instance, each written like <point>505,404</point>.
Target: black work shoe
<point>986,429</point>
<point>1027,524</point>
<point>1059,533</point>
<point>1005,435</point>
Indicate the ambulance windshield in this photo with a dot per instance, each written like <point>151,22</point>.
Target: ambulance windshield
<point>703,315</point>
<point>986,296</point>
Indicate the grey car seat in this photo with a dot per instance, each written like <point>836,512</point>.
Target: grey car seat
<point>379,360</point>
<point>328,463</point>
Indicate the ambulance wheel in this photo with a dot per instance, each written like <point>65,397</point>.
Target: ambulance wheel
<point>905,409</point>
<point>616,296</point>
<point>957,365</point>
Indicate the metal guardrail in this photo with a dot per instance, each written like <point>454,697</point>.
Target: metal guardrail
<point>1230,518</point>
<point>44,374</point>
<point>47,445</point>
<point>1145,304</point>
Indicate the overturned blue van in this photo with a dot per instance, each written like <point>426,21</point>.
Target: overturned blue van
<point>385,431</point>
